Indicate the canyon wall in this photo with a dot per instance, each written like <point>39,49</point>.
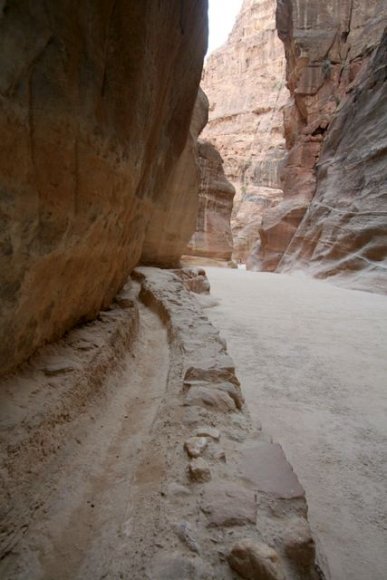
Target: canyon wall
<point>174,214</point>
<point>328,49</point>
<point>344,232</point>
<point>212,238</point>
<point>96,101</point>
<point>245,83</point>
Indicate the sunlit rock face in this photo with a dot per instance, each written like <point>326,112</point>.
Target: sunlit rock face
<point>328,46</point>
<point>245,83</point>
<point>96,101</point>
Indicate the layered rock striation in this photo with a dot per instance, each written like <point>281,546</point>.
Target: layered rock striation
<point>328,47</point>
<point>212,237</point>
<point>245,84</point>
<point>174,214</point>
<point>95,107</point>
<point>344,232</point>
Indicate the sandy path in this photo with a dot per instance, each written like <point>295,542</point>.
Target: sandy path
<point>83,523</point>
<point>312,359</point>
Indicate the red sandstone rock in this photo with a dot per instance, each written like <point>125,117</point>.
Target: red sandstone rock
<point>174,215</point>
<point>96,102</point>
<point>327,45</point>
<point>212,237</point>
<point>245,83</point>
<point>344,232</point>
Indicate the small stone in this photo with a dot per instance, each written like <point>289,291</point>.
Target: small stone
<point>176,489</point>
<point>299,544</point>
<point>265,466</point>
<point>255,561</point>
<point>58,366</point>
<point>220,456</point>
<point>228,504</point>
<point>208,432</point>
<point>211,398</point>
<point>195,446</point>
<point>186,535</point>
<point>199,470</point>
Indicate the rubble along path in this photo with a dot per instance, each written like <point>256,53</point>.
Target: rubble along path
<point>312,359</point>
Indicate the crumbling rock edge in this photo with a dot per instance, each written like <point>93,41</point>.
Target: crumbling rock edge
<point>234,493</point>
<point>196,492</point>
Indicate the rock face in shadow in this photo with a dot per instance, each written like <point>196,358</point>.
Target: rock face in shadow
<point>174,214</point>
<point>327,46</point>
<point>344,232</point>
<point>245,84</point>
<point>212,237</point>
<point>96,102</point>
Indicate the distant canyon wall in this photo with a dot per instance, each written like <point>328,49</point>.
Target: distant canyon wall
<point>245,83</point>
<point>212,237</point>
<point>334,179</point>
<point>96,102</point>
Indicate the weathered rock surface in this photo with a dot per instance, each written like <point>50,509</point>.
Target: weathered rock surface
<point>96,102</point>
<point>212,237</point>
<point>229,505</point>
<point>344,233</point>
<point>328,47</point>
<point>194,279</point>
<point>228,500</point>
<point>174,214</point>
<point>245,84</point>
<point>195,446</point>
<point>256,561</point>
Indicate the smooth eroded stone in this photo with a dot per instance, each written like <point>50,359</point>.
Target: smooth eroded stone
<point>255,561</point>
<point>229,504</point>
<point>299,544</point>
<point>186,534</point>
<point>199,470</point>
<point>207,432</point>
<point>98,162</point>
<point>195,446</point>
<point>210,397</point>
<point>267,468</point>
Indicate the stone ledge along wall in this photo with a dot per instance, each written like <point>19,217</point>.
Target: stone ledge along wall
<point>245,83</point>
<point>329,47</point>
<point>96,101</point>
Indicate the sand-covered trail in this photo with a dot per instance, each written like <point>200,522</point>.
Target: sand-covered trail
<point>312,359</point>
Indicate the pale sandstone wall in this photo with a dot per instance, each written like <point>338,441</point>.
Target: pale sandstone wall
<point>212,237</point>
<point>245,84</point>
<point>95,105</point>
<point>327,45</point>
<point>174,214</point>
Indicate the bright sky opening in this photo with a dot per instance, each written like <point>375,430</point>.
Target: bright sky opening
<point>221,18</point>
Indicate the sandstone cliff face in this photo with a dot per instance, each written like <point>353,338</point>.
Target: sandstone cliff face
<point>344,232</point>
<point>245,84</point>
<point>96,101</point>
<point>174,214</point>
<point>212,238</point>
<point>326,45</point>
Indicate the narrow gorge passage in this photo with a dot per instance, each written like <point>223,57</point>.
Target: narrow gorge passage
<point>313,364</point>
<point>82,525</point>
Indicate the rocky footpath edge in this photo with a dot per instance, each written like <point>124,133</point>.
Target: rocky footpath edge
<point>218,498</point>
<point>45,410</point>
